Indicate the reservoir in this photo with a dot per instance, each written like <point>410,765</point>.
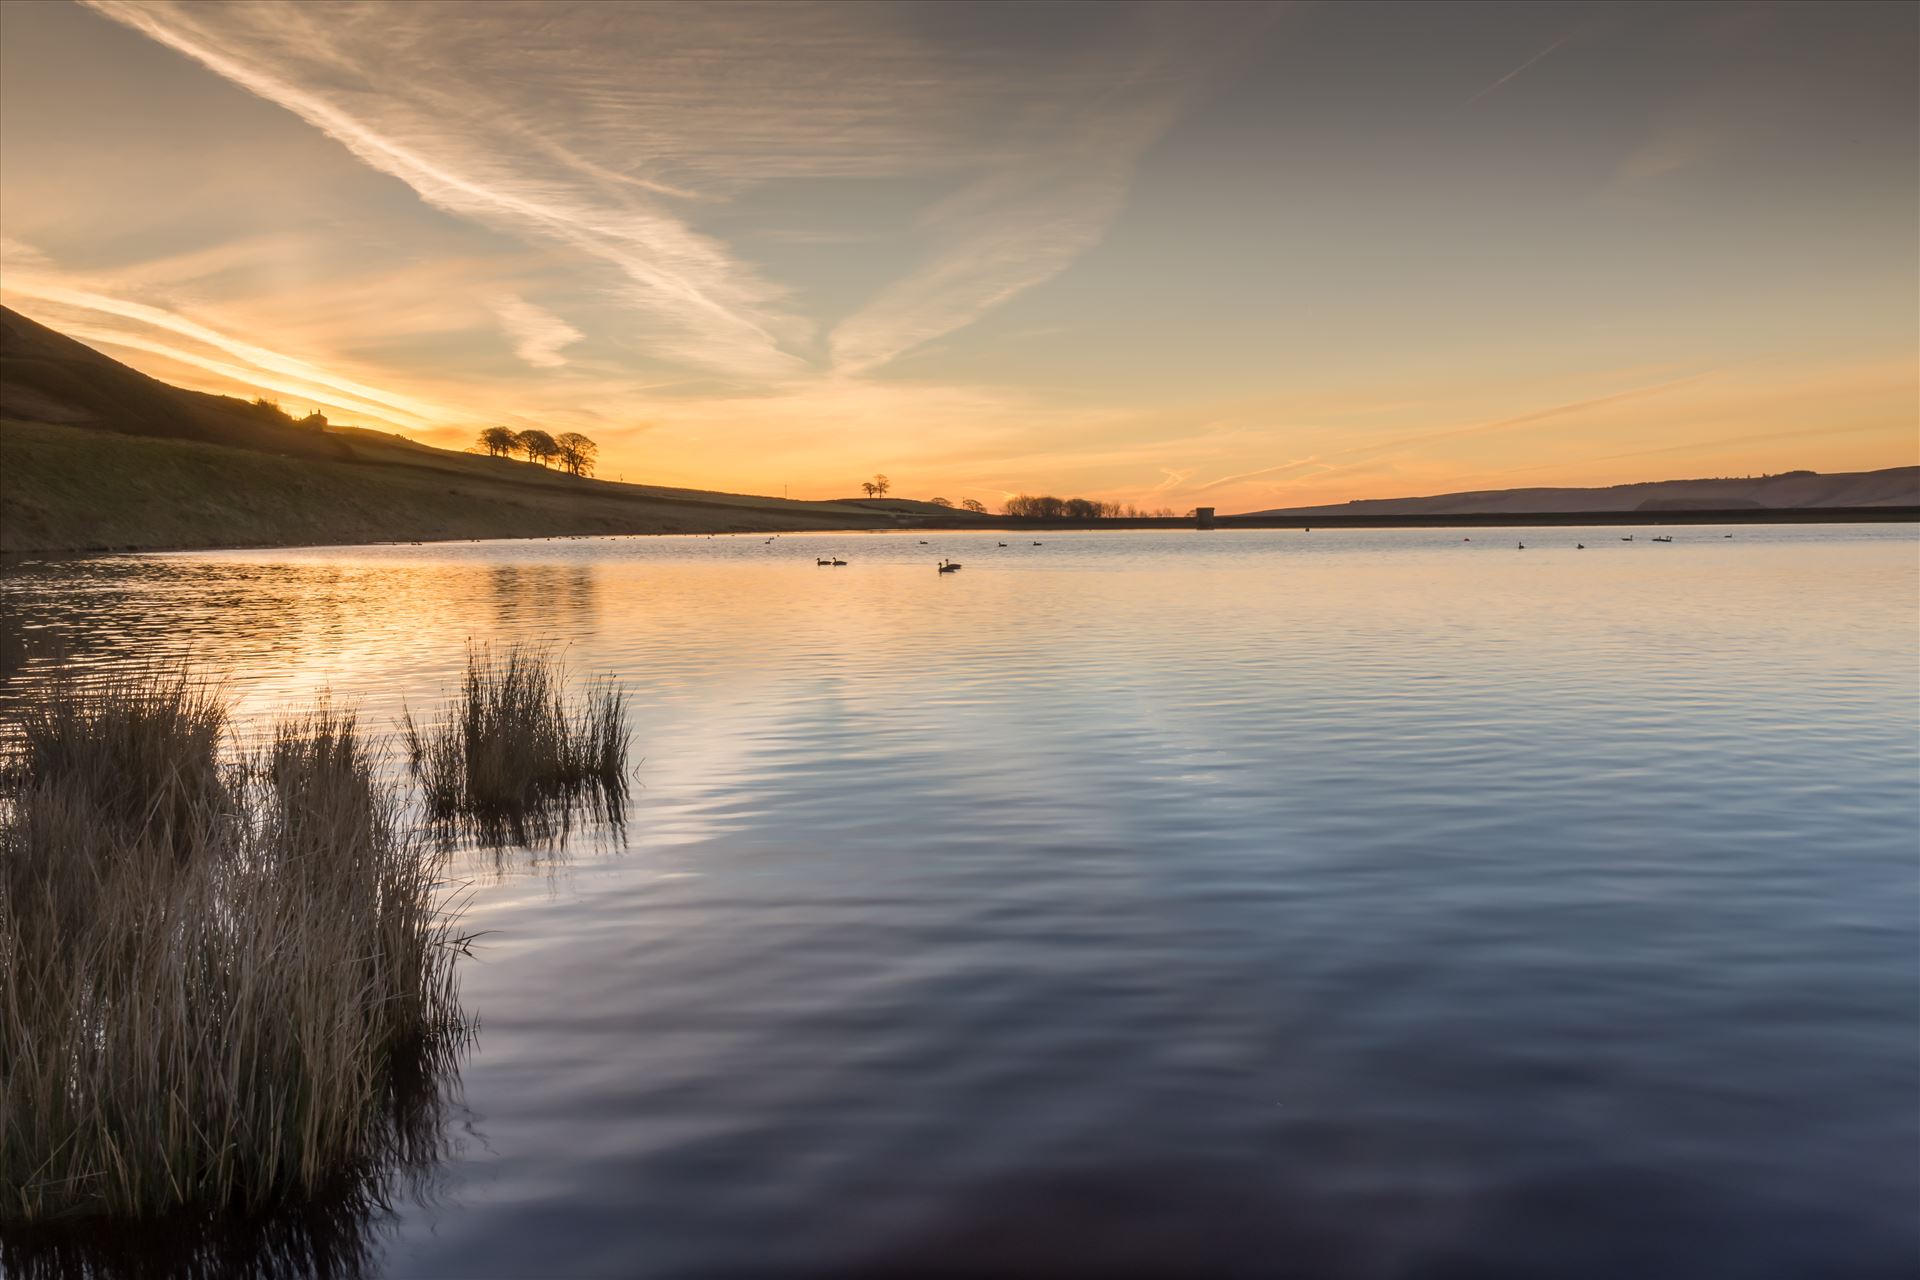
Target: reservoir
<point>1359,904</point>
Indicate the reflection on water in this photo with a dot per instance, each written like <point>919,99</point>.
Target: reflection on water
<point>1357,904</point>
<point>524,593</point>
<point>336,1236</point>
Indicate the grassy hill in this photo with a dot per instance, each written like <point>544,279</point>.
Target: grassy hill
<point>1793,490</point>
<point>95,455</point>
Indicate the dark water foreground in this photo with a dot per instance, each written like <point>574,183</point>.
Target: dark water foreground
<point>1250,903</point>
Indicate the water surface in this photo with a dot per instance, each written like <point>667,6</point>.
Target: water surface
<point>1372,904</point>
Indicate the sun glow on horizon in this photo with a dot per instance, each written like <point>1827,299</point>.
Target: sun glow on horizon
<point>1154,255</point>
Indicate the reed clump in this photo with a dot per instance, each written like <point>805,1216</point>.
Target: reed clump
<point>139,751</point>
<point>223,981</point>
<point>517,741</point>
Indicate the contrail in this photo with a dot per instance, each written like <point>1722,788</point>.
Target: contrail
<point>1517,70</point>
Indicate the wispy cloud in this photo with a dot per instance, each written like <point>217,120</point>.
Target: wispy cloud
<point>1011,230</point>
<point>19,253</point>
<point>258,365</point>
<point>1054,194</point>
<point>1281,469</point>
<point>537,335</point>
<point>609,129</point>
<point>1565,409</point>
<point>1356,457</point>
<point>1517,70</point>
<point>1675,145</point>
<point>410,93</point>
<point>1172,478</point>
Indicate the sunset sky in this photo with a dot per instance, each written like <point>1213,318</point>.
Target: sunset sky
<point>1233,256</point>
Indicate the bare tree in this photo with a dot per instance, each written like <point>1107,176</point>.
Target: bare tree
<point>499,442</point>
<point>880,486</point>
<point>939,502</point>
<point>870,487</point>
<point>577,453</point>
<point>974,504</point>
<point>537,445</point>
<point>1044,507</point>
<point>1048,507</point>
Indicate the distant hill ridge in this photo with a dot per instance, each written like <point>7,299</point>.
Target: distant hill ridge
<point>1792,490</point>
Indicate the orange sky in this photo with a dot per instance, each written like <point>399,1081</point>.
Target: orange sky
<point>1224,256</point>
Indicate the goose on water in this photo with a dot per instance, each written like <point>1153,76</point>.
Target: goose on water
<point>948,566</point>
<point>839,564</point>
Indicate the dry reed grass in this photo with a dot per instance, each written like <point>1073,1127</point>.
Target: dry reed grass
<point>516,743</point>
<point>221,982</point>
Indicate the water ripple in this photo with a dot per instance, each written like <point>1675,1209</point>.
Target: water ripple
<point>1363,904</point>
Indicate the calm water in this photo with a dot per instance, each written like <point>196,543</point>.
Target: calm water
<point>1352,904</point>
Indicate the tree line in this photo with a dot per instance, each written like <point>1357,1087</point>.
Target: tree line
<point>1047,507</point>
<point>1040,507</point>
<point>574,452</point>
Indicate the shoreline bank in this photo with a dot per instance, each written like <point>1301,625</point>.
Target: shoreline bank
<point>1528,520</point>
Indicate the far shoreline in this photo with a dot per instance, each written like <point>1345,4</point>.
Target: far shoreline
<point>1477,520</point>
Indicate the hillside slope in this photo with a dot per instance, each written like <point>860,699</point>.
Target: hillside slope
<point>68,488</point>
<point>96,455</point>
<point>48,377</point>
<point>1795,490</point>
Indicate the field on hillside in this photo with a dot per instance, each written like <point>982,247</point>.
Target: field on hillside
<point>80,489</point>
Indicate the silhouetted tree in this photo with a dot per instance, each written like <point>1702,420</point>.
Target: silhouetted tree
<point>577,453</point>
<point>1048,507</point>
<point>939,502</point>
<point>499,442</point>
<point>537,445</point>
<point>270,411</point>
<point>1031,507</point>
<point>974,504</point>
<point>870,487</point>
<point>880,486</point>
